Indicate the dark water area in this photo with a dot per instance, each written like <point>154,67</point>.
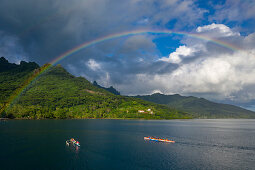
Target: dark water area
<point>119,144</point>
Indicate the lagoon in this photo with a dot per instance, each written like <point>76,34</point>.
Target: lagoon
<point>119,144</point>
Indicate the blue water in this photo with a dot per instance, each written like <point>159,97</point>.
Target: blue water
<point>119,144</point>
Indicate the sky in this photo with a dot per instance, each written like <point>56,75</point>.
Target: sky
<point>41,30</point>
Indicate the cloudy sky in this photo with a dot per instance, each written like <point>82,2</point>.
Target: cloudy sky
<point>41,30</point>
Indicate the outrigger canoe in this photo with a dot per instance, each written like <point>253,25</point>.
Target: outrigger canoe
<point>159,139</point>
<point>72,141</point>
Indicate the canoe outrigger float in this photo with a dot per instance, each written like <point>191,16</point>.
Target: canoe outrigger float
<point>72,141</point>
<point>158,139</point>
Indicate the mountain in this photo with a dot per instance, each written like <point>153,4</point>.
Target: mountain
<point>26,92</point>
<point>58,94</point>
<point>199,107</point>
<point>5,66</point>
<point>13,75</point>
<point>110,89</point>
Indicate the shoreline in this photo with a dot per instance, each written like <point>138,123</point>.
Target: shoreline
<point>4,119</point>
<point>98,119</point>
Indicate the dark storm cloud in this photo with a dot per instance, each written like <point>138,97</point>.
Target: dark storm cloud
<point>11,48</point>
<point>48,28</point>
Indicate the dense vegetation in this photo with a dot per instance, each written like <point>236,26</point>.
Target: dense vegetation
<point>199,107</point>
<point>58,94</point>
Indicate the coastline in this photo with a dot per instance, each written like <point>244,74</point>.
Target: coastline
<point>4,119</point>
<point>94,119</point>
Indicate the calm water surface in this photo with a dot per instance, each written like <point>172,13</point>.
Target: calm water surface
<point>119,144</point>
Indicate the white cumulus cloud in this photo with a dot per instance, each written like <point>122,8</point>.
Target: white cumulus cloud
<point>93,65</point>
<point>181,52</point>
<point>217,30</point>
<point>216,74</point>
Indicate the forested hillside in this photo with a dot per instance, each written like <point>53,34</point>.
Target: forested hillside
<point>58,94</point>
<point>199,107</point>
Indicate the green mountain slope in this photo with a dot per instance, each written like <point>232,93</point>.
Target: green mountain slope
<point>58,94</point>
<point>199,107</point>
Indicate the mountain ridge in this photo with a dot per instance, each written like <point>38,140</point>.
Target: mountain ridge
<point>110,89</point>
<point>199,107</point>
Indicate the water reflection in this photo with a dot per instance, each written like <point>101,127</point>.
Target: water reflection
<point>77,149</point>
<point>72,147</point>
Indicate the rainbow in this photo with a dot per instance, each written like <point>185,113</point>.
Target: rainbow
<point>139,32</point>
<point>70,52</point>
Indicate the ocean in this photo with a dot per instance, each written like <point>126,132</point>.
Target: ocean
<point>119,144</point>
